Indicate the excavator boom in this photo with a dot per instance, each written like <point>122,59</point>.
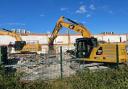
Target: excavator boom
<point>21,45</point>
<point>10,33</point>
<point>70,24</point>
<point>88,48</point>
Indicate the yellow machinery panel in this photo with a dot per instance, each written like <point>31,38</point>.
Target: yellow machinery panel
<point>88,48</point>
<point>31,48</point>
<point>20,45</point>
<point>108,52</point>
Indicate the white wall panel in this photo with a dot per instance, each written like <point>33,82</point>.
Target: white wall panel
<point>73,38</point>
<point>111,38</point>
<point>99,37</point>
<point>5,40</point>
<point>123,38</point>
<point>61,40</point>
<point>41,39</point>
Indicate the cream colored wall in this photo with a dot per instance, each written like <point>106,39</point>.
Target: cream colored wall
<point>5,40</point>
<point>111,38</point>
<point>123,38</point>
<point>40,38</point>
<point>73,38</point>
<point>61,40</point>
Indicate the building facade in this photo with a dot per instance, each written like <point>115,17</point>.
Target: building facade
<point>64,40</point>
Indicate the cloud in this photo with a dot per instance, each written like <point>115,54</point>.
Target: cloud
<point>42,15</point>
<point>83,22</point>
<point>63,9</point>
<point>12,23</point>
<point>92,7</point>
<point>82,9</point>
<point>107,9</point>
<point>15,23</point>
<point>48,32</point>
<point>81,2</point>
<point>110,11</point>
<point>88,16</point>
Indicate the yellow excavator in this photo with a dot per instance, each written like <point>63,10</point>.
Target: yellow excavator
<point>21,46</point>
<point>88,48</point>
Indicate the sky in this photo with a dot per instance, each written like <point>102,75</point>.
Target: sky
<point>40,16</point>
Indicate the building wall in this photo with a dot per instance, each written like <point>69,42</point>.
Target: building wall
<point>5,40</point>
<point>62,40</point>
<point>111,38</point>
<point>42,39</point>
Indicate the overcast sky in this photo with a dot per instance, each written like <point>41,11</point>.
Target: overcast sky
<point>40,16</point>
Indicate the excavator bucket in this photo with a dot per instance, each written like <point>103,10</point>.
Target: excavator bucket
<point>19,45</point>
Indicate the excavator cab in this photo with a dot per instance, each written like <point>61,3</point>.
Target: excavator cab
<point>19,45</point>
<point>84,47</point>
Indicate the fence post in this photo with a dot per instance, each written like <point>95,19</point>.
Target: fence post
<point>117,55</point>
<point>61,60</point>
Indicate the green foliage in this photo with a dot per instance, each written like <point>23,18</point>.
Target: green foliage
<point>103,79</point>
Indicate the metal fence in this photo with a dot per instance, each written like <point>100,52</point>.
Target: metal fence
<point>43,66</point>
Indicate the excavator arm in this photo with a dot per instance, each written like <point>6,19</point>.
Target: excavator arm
<point>10,33</point>
<point>88,48</point>
<point>70,24</point>
<point>19,44</point>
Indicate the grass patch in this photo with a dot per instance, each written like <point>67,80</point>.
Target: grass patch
<point>108,79</point>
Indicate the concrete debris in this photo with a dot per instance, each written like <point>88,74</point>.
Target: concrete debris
<point>93,68</point>
<point>45,68</point>
<point>48,72</point>
<point>48,67</point>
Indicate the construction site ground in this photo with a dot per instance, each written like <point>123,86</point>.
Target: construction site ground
<point>48,67</point>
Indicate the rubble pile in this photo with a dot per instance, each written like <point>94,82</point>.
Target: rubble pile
<point>48,67</point>
<point>45,68</point>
